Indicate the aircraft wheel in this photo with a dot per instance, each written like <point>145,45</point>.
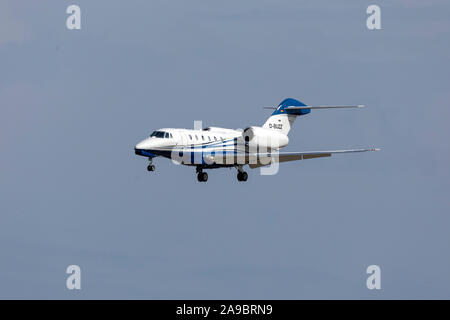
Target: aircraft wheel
<point>242,176</point>
<point>202,177</point>
<point>151,167</point>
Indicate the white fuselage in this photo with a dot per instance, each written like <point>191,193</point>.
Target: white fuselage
<point>195,144</point>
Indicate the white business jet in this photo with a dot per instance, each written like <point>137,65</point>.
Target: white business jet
<point>254,146</point>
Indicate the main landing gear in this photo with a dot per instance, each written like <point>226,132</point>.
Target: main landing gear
<point>242,175</point>
<point>150,166</point>
<point>201,176</point>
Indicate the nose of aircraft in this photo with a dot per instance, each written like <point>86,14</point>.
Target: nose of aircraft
<point>149,143</point>
<point>152,143</point>
<point>141,145</point>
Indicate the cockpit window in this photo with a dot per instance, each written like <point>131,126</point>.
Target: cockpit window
<point>160,134</point>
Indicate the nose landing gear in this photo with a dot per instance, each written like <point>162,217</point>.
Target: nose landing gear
<point>150,166</point>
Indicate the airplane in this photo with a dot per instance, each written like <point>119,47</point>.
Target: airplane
<point>256,146</point>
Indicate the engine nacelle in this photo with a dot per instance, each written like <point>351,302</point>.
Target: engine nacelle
<point>264,138</point>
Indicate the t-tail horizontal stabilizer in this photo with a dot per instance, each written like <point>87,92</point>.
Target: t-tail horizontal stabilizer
<point>317,107</point>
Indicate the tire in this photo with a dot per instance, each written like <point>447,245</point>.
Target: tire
<point>202,177</point>
<point>244,176</point>
<point>151,167</point>
<point>239,176</point>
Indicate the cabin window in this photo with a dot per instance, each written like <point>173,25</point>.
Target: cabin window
<point>203,138</point>
<point>166,135</point>
<point>190,137</point>
<point>209,138</point>
<point>215,139</point>
<point>196,137</point>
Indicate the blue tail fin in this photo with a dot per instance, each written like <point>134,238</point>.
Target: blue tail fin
<point>288,103</point>
<point>282,119</point>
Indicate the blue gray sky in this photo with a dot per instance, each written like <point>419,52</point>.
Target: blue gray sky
<point>74,103</point>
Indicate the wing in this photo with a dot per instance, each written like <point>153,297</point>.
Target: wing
<point>262,159</point>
